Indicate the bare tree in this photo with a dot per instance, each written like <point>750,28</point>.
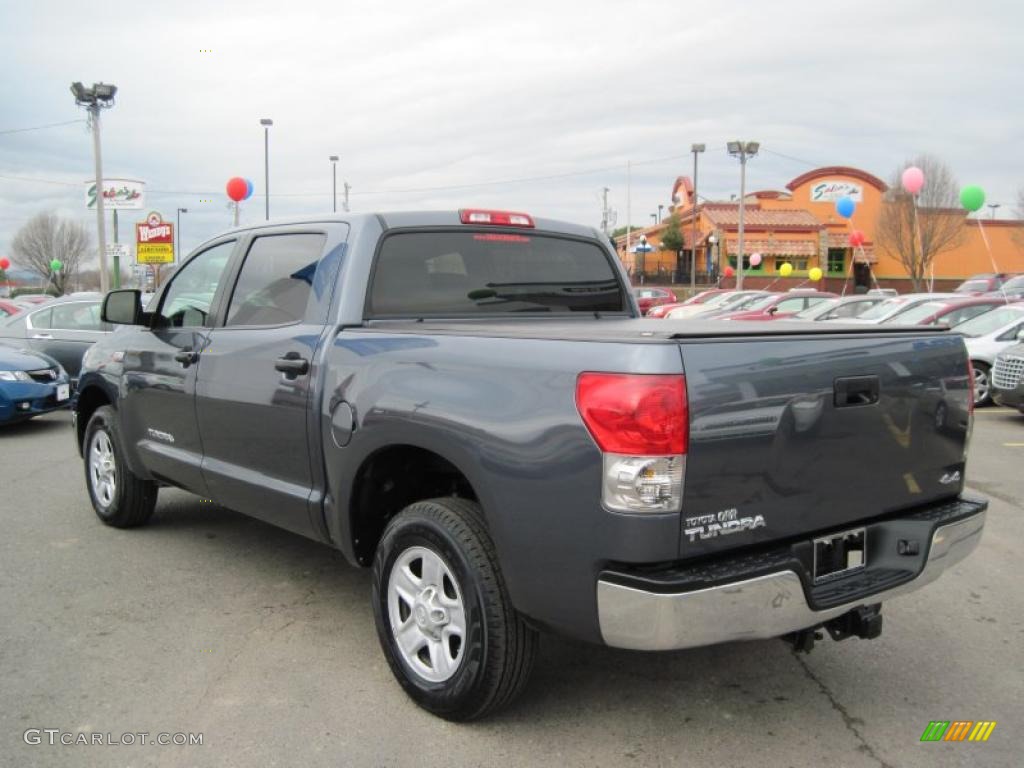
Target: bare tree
<point>917,234</point>
<point>46,237</point>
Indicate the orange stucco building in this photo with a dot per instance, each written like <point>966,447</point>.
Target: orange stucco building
<point>801,226</point>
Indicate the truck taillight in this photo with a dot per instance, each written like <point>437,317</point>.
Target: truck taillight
<point>641,424</point>
<point>501,218</point>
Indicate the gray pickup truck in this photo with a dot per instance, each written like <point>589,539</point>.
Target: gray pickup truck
<point>470,404</point>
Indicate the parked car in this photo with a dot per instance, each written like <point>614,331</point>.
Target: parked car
<point>34,298</point>
<point>8,308</point>
<point>30,384</point>
<point>647,297</point>
<point>735,304</point>
<point>780,306</point>
<point>983,283</point>
<point>704,298</point>
<point>889,292</point>
<point>839,308</point>
<point>1007,379</point>
<point>946,311</point>
<point>471,405</point>
<point>882,312</point>
<point>987,335</point>
<point>730,301</point>
<point>63,328</point>
<point>1012,288</point>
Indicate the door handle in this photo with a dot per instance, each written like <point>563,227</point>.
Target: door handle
<point>292,365</point>
<point>186,357</point>
<point>42,335</point>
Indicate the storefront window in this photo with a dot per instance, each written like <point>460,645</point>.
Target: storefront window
<point>799,262</point>
<point>746,264</point>
<point>837,261</point>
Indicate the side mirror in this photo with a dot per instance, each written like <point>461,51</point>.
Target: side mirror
<point>123,307</point>
<point>1020,335</point>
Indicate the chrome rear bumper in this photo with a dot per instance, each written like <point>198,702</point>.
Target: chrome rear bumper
<point>769,605</point>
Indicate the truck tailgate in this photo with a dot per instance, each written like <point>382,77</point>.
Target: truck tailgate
<point>795,436</point>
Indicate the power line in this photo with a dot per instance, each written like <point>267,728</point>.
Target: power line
<point>39,127</point>
<point>795,159</point>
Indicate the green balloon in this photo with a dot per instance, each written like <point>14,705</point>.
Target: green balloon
<point>972,197</point>
<point>55,265</point>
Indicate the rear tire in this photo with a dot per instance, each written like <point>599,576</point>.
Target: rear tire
<point>445,623</point>
<point>119,497</point>
<point>982,384</point>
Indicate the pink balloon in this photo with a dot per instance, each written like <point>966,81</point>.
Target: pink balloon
<point>913,179</point>
<point>755,259</point>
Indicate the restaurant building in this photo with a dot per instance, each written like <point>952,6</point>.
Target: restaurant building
<point>801,226</point>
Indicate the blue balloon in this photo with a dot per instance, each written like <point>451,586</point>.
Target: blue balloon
<point>845,207</point>
<point>248,189</point>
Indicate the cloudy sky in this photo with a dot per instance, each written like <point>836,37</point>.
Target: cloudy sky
<point>532,106</point>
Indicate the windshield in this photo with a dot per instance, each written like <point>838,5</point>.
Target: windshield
<point>473,272</point>
<point>1014,284</point>
<point>990,321</point>
<point>883,309</point>
<point>712,301</point>
<point>914,315</point>
<point>972,286</point>
<point>821,308</point>
<point>758,302</point>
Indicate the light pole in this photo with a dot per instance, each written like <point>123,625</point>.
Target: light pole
<point>742,150</point>
<point>334,181</point>
<point>992,207</point>
<point>696,149</point>
<point>266,122</point>
<point>177,237</point>
<point>100,96</point>
<point>660,209</point>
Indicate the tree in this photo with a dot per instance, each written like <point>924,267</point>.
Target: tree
<point>620,231</point>
<point>672,237</point>
<point>917,234</point>
<point>46,237</point>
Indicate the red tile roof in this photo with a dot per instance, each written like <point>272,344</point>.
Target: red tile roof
<point>773,247</point>
<point>727,216</point>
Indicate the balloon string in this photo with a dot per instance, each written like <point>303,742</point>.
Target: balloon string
<point>991,256</point>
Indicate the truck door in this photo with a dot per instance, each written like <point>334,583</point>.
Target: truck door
<point>157,407</point>
<point>257,373</point>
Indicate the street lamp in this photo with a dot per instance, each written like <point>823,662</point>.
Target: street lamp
<point>660,209</point>
<point>177,237</point>
<point>992,208</point>
<point>742,150</point>
<point>334,181</point>
<point>696,149</point>
<point>266,122</point>
<point>100,96</point>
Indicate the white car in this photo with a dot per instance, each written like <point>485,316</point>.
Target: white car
<point>987,335</point>
<point>731,301</point>
<point>895,305</point>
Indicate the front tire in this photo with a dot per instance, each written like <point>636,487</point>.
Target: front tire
<point>446,626</point>
<point>982,384</point>
<point>119,497</point>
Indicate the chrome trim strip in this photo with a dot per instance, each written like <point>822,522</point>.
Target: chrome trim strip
<point>763,607</point>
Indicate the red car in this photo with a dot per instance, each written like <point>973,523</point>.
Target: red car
<point>8,308</point>
<point>780,305</point>
<point>653,297</point>
<point>975,285</point>
<point>701,298</point>
<point>945,311</point>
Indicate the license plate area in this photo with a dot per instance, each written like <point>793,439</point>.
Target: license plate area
<point>839,553</point>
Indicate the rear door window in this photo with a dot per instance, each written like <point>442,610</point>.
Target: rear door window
<point>276,281</point>
<point>77,316</point>
<point>461,273</point>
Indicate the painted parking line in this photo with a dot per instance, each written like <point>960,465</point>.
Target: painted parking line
<point>1013,445</point>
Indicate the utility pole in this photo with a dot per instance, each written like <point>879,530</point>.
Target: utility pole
<point>345,202</point>
<point>604,210</point>
<point>629,208</point>
<point>334,181</point>
<point>117,256</point>
<point>743,150</point>
<point>696,149</point>
<point>100,96</point>
<point>266,122</point>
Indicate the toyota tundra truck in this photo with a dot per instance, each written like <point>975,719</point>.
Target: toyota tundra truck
<point>470,404</point>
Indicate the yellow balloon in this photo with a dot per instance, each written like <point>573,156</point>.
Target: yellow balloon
<point>815,274</point>
<point>786,269</point>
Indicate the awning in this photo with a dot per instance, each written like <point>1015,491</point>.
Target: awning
<point>773,247</point>
<point>864,254</point>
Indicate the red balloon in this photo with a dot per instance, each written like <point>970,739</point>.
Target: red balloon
<point>237,188</point>
<point>5,263</point>
<point>729,272</point>
<point>856,238</point>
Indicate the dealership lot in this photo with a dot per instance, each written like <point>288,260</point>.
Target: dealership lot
<point>209,622</point>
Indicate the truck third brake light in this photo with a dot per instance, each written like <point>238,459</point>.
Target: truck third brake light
<point>500,218</point>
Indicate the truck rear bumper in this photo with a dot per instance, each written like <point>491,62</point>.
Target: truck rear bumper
<point>769,594</point>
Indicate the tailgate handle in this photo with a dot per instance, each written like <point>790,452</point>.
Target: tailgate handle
<point>856,390</point>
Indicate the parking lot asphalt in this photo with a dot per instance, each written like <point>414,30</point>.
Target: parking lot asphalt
<point>208,622</point>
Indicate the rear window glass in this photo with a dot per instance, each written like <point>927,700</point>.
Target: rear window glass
<point>471,273</point>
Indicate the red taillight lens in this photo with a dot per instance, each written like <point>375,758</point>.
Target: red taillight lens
<point>635,414</point>
<point>501,218</point>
